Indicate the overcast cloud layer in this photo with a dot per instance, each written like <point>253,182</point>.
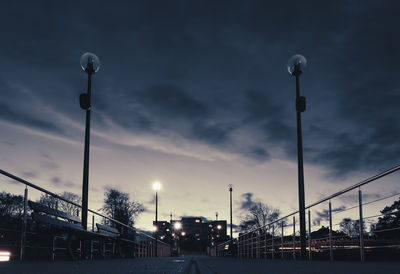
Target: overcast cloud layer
<point>207,79</point>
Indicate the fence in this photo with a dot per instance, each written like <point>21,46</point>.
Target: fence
<point>15,232</point>
<point>343,240</point>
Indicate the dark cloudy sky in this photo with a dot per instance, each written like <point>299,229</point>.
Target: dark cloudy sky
<point>196,94</point>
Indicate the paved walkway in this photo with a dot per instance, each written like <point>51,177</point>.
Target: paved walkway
<point>195,264</point>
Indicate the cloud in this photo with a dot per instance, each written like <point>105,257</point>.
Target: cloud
<point>208,75</point>
<point>324,215</point>
<point>58,182</point>
<point>247,201</point>
<point>353,198</point>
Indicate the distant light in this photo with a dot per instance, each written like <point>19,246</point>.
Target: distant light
<point>183,233</point>
<point>177,225</point>
<point>167,229</point>
<point>154,228</point>
<point>219,227</point>
<point>173,234</point>
<point>197,221</point>
<point>156,186</point>
<point>5,256</point>
<point>162,237</point>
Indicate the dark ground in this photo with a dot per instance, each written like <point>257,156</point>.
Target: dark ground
<point>191,263</point>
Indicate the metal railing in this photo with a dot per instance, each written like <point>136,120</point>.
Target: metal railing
<point>281,239</point>
<point>144,244</point>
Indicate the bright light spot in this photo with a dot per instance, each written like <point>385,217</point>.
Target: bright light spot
<point>197,221</point>
<point>177,225</point>
<point>219,227</point>
<point>156,186</point>
<point>183,233</point>
<point>5,256</point>
<point>154,229</point>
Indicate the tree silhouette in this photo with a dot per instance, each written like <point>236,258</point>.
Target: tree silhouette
<point>259,214</point>
<point>118,207</point>
<point>61,205</point>
<point>389,221</point>
<point>11,205</point>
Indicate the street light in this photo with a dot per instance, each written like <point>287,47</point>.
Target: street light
<point>296,65</point>
<point>230,191</point>
<point>177,226</point>
<point>156,188</point>
<point>90,63</point>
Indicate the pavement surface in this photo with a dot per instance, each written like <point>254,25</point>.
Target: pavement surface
<point>196,264</point>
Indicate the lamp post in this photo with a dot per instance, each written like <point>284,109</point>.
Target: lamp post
<point>296,65</point>
<point>156,188</point>
<point>90,63</point>
<point>230,194</point>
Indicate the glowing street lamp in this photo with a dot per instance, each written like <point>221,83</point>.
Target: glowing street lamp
<point>177,226</point>
<point>90,64</point>
<point>296,65</point>
<point>156,188</point>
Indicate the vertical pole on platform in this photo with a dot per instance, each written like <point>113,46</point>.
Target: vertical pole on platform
<point>361,224</point>
<point>282,241</point>
<point>23,228</point>
<point>93,222</point>
<point>330,233</point>
<point>309,236</point>
<point>294,238</point>
<point>272,247</point>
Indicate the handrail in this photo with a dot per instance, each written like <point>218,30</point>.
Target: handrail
<point>5,173</point>
<point>359,184</point>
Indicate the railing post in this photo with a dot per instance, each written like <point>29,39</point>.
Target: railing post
<point>282,241</point>
<point>272,243</point>
<point>330,232</point>
<point>238,247</point>
<point>93,223</point>
<point>361,223</point>
<point>265,244</point>
<point>294,238</point>
<point>258,246</point>
<point>309,236</point>
<point>23,228</point>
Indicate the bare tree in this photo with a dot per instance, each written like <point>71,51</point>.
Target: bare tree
<point>11,205</point>
<point>351,227</point>
<point>259,215</point>
<point>117,206</point>
<point>55,203</point>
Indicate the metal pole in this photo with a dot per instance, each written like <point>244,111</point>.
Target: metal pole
<point>282,241</point>
<point>93,222</point>
<point>85,184</point>
<point>361,222</point>
<point>300,168</point>
<point>231,245</point>
<point>272,244</point>
<point>155,233</point>
<point>330,233</point>
<point>294,238</point>
<point>309,236</point>
<point>23,234</point>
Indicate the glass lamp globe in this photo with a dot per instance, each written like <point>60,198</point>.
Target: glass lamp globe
<point>298,61</point>
<point>156,186</point>
<point>88,58</point>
